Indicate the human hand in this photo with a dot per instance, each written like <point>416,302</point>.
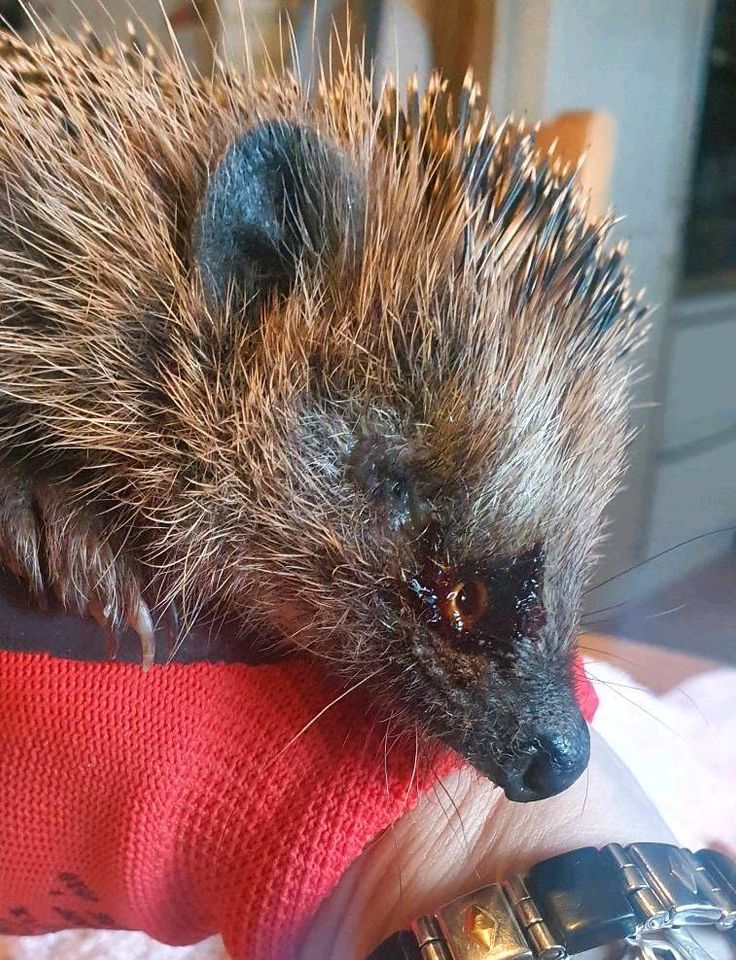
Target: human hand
<point>210,797</point>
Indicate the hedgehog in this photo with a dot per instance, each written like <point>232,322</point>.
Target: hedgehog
<point>352,373</point>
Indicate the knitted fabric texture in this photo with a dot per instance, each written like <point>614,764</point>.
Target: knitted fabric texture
<point>188,800</point>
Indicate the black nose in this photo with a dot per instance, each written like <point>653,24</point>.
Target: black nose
<point>547,764</point>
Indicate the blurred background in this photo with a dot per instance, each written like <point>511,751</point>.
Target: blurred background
<point>656,80</point>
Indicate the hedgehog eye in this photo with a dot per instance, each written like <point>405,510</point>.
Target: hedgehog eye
<point>466,604</point>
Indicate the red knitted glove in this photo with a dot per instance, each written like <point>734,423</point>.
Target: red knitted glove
<point>186,801</point>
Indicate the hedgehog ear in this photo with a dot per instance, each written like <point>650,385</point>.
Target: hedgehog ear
<point>280,196</point>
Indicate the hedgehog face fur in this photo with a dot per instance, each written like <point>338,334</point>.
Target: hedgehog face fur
<point>358,375</point>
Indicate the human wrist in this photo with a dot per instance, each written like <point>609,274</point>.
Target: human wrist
<point>447,847</point>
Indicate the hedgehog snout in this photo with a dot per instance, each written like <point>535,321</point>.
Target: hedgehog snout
<point>546,762</point>
<point>527,735</point>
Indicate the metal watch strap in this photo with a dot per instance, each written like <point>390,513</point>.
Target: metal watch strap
<point>645,894</point>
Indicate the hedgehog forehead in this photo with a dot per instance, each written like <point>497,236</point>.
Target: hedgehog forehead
<point>502,471</point>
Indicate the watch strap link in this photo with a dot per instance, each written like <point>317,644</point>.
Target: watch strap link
<point>643,894</point>
<point>400,946</point>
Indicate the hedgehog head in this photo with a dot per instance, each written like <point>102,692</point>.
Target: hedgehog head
<point>429,364</point>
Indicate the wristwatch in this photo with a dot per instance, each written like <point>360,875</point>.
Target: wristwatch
<point>645,894</point>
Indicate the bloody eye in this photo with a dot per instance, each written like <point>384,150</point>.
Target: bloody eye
<point>466,603</point>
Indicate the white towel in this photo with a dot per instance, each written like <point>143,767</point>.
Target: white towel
<point>681,747</point>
